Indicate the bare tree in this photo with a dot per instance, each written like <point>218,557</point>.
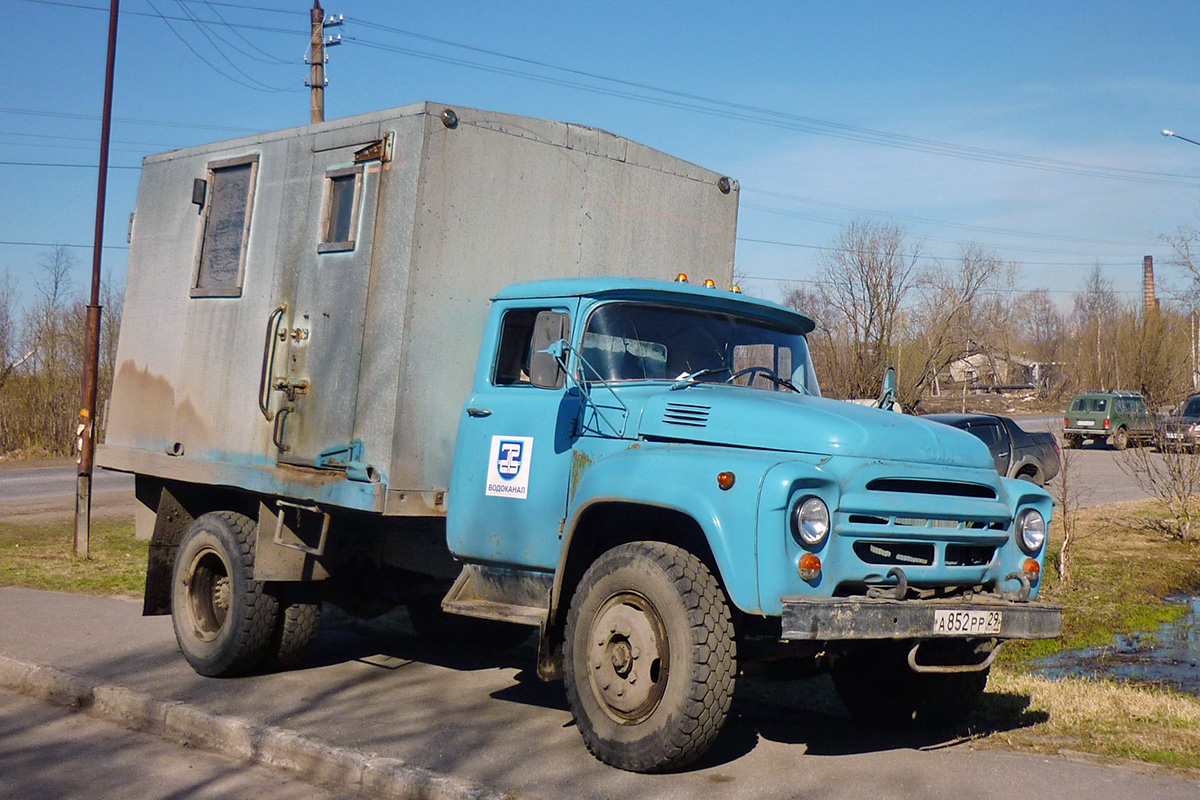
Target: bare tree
<point>1070,496</point>
<point>1173,476</point>
<point>866,277</point>
<point>1095,311</point>
<point>8,325</point>
<point>953,316</point>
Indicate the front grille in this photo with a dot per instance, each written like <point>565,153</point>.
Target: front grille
<point>693,416</point>
<point>922,522</point>
<point>969,555</point>
<point>939,488</point>
<point>895,553</point>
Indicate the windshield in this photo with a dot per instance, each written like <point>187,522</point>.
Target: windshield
<point>640,341</point>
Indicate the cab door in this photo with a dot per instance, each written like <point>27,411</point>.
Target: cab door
<point>515,452</point>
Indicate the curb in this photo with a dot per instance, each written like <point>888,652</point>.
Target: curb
<point>307,758</point>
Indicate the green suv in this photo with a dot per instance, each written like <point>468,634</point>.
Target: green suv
<point>1120,417</point>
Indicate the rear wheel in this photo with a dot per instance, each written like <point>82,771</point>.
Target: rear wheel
<point>650,658</point>
<point>1120,439</point>
<point>299,620</point>
<point>225,621</point>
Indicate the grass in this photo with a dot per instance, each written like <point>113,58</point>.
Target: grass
<point>40,556</point>
<point>1124,567</point>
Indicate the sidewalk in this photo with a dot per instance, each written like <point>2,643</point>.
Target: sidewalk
<point>376,710</point>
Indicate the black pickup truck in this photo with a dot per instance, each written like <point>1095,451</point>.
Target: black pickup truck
<point>1016,452</point>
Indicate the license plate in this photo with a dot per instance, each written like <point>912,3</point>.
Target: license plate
<point>1085,423</point>
<point>958,622</point>
<point>1174,435</point>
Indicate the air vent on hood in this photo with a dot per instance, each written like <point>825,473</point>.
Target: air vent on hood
<point>693,416</point>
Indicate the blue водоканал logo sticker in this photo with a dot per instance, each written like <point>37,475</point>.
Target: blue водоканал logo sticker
<point>509,462</point>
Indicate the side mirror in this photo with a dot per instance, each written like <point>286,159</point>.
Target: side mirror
<point>545,361</point>
<point>887,391</point>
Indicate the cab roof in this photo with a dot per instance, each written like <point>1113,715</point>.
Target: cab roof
<point>663,291</point>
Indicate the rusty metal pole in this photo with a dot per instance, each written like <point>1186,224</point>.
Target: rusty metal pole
<point>317,79</point>
<point>91,363</point>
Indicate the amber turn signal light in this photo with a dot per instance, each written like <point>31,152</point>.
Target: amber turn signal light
<point>810,567</point>
<point>1031,568</point>
<point>726,480</point>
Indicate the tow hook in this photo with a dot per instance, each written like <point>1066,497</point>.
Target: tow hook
<point>991,647</point>
<point>897,592</point>
<point>1020,595</point>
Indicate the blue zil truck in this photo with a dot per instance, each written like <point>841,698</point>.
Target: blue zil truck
<point>451,359</point>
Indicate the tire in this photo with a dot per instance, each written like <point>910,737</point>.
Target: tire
<point>299,620</point>
<point>654,612</point>
<point>225,621</point>
<point>1120,439</point>
<point>876,685</point>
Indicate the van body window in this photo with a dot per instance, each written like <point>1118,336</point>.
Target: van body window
<point>342,190</point>
<point>221,266</point>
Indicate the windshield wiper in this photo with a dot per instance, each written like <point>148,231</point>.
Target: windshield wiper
<point>690,378</point>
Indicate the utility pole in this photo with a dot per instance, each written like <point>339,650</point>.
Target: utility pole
<point>91,364</point>
<point>316,81</point>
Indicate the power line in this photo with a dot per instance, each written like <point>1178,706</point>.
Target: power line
<point>775,118</point>
<point>60,244</point>
<point>1009,292</point>
<point>127,120</point>
<point>250,82</point>
<point>759,115</point>
<point>65,166</point>
<point>929,221</point>
<point>924,257</point>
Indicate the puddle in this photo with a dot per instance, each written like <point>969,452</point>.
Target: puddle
<point>1169,656</point>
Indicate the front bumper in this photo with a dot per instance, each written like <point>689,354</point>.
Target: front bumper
<point>846,618</point>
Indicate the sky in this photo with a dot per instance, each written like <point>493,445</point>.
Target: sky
<point>1030,128</point>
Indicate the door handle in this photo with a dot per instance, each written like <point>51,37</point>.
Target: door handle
<point>479,412</point>
<point>266,378</point>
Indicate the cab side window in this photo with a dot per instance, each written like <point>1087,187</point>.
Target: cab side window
<point>512,355</point>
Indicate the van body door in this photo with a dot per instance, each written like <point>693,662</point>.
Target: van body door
<point>327,310</point>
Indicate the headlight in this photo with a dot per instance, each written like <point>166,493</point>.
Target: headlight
<point>1031,531</point>
<point>810,521</point>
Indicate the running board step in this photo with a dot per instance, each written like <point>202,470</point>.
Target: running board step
<point>501,593</point>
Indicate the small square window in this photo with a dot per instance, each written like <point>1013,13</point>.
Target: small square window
<point>342,189</point>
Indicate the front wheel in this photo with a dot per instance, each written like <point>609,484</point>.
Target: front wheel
<point>225,621</point>
<point>650,657</point>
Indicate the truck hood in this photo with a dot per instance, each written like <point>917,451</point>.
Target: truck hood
<point>745,417</point>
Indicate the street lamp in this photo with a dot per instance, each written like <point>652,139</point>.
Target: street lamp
<point>1177,136</point>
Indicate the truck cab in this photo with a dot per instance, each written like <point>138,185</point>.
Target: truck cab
<point>621,434</point>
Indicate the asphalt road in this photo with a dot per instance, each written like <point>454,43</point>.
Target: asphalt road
<point>484,718</point>
<point>49,480</point>
<point>50,753</point>
<point>37,491</point>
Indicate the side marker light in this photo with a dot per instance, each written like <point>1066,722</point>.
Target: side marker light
<point>810,567</point>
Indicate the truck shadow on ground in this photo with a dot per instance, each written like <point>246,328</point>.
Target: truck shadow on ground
<point>803,711</point>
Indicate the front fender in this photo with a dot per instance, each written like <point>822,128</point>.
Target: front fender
<point>683,478</point>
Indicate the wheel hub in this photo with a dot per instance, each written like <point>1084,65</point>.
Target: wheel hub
<point>627,654</point>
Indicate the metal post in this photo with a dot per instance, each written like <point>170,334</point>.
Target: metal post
<point>91,363</point>
<point>317,79</point>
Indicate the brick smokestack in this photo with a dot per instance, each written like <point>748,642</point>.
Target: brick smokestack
<point>1150,299</point>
